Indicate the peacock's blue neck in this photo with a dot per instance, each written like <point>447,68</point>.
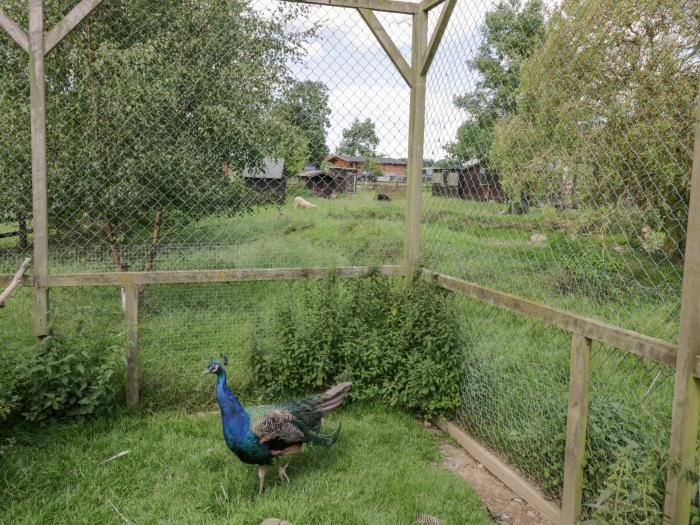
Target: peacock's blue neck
<point>228,402</point>
<point>235,419</point>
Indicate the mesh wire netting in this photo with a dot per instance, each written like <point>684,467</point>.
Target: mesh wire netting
<point>558,149</point>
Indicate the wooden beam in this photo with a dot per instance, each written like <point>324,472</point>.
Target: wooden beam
<point>387,44</point>
<point>438,33</point>
<point>427,5</point>
<point>68,23</point>
<point>39,184</point>
<point>131,313</point>
<point>15,283</point>
<point>416,138</point>
<point>576,421</point>
<point>686,394</point>
<point>206,276</point>
<point>389,6</point>
<point>15,32</point>
<point>502,471</point>
<point>648,347</point>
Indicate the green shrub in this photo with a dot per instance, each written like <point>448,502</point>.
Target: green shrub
<point>70,377</point>
<point>634,488</point>
<point>399,346</point>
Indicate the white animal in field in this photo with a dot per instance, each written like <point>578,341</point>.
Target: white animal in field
<point>301,202</point>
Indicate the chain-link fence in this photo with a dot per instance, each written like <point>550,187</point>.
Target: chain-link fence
<point>269,134</point>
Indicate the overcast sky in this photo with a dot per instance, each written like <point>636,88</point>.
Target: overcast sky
<point>363,82</point>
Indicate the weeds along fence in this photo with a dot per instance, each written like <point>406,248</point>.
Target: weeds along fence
<point>535,158</point>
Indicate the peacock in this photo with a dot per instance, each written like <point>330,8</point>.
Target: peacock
<point>260,434</point>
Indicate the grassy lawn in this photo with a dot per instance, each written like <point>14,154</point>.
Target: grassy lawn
<point>474,240</point>
<point>516,370</point>
<point>383,470</point>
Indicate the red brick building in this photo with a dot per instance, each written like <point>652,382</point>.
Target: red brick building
<point>388,166</point>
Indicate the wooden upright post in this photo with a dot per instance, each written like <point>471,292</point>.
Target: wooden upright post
<point>131,312</point>
<point>39,184</point>
<point>686,394</point>
<point>416,129</point>
<point>577,417</point>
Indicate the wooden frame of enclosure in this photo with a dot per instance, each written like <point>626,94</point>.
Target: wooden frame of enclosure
<point>684,357</point>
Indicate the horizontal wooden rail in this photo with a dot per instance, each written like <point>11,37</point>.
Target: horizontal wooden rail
<point>205,276</point>
<point>390,6</point>
<point>645,346</point>
<point>512,479</point>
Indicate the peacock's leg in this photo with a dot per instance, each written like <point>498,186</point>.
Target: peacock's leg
<point>261,475</point>
<point>282,471</point>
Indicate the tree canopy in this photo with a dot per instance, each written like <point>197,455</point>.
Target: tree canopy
<point>305,106</point>
<point>359,139</point>
<point>605,113</point>
<point>145,107</point>
<point>511,33</point>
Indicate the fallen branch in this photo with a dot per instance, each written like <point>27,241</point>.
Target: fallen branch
<point>15,283</point>
<point>116,456</point>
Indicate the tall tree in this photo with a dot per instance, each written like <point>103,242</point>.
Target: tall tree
<point>606,111</point>
<point>359,139</point>
<point>145,107</point>
<point>511,33</point>
<point>305,105</point>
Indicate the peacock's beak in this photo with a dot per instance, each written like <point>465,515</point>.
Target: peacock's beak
<point>205,372</point>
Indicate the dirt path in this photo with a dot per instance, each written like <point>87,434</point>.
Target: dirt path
<point>501,502</point>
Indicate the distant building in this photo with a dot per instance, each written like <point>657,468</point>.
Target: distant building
<point>270,181</point>
<point>324,183</point>
<point>471,182</point>
<point>388,166</point>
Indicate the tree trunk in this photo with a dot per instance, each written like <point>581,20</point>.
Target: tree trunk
<point>116,255</point>
<point>153,248</point>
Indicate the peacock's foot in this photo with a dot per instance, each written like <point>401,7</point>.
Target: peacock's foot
<point>282,471</point>
<point>261,475</point>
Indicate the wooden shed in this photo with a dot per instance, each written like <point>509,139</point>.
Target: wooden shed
<point>469,182</point>
<point>324,183</point>
<point>269,181</point>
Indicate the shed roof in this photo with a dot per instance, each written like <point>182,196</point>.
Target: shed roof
<point>272,168</point>
<point>378,160</point>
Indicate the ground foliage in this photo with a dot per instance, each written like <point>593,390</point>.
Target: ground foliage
<point>399,346</point>
<point>69,376</point>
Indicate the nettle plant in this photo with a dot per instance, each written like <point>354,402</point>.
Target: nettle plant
<point>399,346</point>
<point>70,377</point>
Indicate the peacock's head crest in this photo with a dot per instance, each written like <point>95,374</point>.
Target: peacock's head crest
<point>216,366</point>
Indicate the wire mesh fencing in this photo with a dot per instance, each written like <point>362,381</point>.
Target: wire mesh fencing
<point>558,168</point>
<point>267,134</point>
<point>168,128</point>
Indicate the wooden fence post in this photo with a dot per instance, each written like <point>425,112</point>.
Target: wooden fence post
<point>686,394</point>
<point>577,416</point>
<point>39,184</point>
<point>131,311</point>
<point>416,137</point>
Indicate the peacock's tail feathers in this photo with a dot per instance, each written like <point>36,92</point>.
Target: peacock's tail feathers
<point>324,440</point>
<point>333,397</point>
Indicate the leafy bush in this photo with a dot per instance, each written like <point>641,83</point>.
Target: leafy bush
<point>399,346</point>
<point>70,377</point>
<point>634,488</point>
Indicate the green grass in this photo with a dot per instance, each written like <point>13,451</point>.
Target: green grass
<point>515,398</point>
<point>383,470</point>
